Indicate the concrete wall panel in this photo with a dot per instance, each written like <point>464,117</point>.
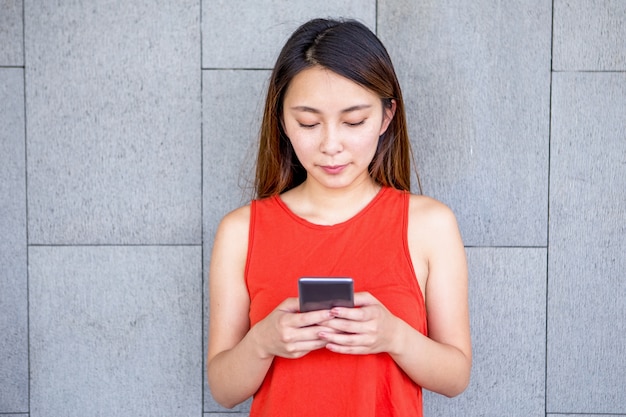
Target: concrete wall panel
<point>113,109</point>
<point>236,35</point>
<point>116,331</point>
<point>589,35</point>
<point>11,33</point>
<point>13,257</point>
<point>587,308</point>
<point>587,415</point>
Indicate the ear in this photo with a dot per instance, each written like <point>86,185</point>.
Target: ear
<point>388,113</point>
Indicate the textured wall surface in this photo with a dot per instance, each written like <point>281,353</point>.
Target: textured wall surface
<point>13,257</point>
<point>114,123</point>
<point>128,129</point>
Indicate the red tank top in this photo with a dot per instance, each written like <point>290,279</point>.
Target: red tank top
<point>372,248</point>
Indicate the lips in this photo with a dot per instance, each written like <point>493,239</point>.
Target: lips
<point>333,169</point>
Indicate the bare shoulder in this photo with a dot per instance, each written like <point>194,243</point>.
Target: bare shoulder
<point>432,236</point>
<point>230,246</point>
<point>430,216</point>
<point>234,226</point>
<point>236,220</point>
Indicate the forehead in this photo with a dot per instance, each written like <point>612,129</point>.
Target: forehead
<point>319,86</point>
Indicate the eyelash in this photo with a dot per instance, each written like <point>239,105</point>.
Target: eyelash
<point>302,125</point>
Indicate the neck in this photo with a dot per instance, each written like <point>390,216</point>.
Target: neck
<point>328,206</point>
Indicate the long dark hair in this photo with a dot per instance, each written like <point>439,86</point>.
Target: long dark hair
<point>351,50</point>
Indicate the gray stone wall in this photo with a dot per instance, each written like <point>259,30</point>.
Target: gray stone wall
<point>127,130</point>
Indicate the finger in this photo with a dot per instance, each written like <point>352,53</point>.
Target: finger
<point>289,305</point>
<point>299,349</point>
<point>312,333</point>
<point>342,339</point>
<point>312,317</point>
<point>342,325</point>
<point>348,350</point>
<point>364,299</point>
<point>297,341</point>
<point>354,314</point>
<point>347,343</point>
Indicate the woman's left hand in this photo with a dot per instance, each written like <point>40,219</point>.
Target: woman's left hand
<point>367,328</point>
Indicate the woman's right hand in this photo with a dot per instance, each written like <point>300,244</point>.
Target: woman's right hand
<point>287,333</point>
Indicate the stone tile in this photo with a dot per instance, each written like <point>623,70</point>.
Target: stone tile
<point>113,123</point>
<point>233,104</point>
<point>586,370</point>
<point>116,331</point>
<point>589,35</point>
<point>238,35</point>
<point>13,275</point>
<point>507,312</point>
<point>476,80</point>
<point>588,415</point>
<point>11,33</point>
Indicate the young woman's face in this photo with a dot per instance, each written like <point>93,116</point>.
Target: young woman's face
<point>333,124</point>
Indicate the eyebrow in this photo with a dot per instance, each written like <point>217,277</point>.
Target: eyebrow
<point>308,109</point>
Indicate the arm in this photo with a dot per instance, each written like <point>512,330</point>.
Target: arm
<point>440,362</point>
<point>239,357</point>
<point>234,367</point>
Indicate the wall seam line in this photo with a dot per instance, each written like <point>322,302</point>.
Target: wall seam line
<point>27,237</point>
<point>202,282</point>
<point>547,306</point>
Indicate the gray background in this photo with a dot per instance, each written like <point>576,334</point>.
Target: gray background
<point>127,130</point>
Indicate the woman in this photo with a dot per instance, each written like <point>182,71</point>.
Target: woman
<point>332,184</point>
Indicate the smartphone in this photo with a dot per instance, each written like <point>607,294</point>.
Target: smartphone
<point>323,293</point>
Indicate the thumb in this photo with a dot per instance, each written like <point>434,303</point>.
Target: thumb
<point>290,305</point>
<point>362,299</point>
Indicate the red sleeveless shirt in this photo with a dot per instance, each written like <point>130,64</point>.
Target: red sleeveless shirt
<point>371,248</point>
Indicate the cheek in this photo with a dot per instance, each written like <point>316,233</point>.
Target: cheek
<point>302,145</point>
<point>366,141</point>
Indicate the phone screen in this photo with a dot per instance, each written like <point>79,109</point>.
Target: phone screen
<point>323,293</point>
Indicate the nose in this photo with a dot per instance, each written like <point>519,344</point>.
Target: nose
<point>331,142</point>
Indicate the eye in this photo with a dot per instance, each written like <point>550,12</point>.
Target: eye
<point>307,126</point>
<point>356,123</point>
